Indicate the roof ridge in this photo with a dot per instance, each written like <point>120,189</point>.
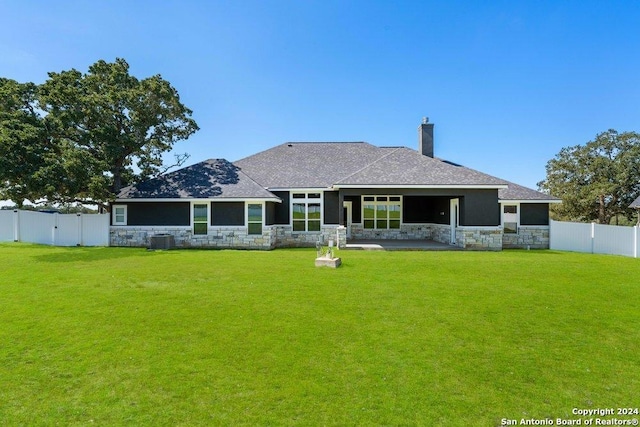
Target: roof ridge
<point>370,164</point>
<point>325,142</point>
<point>252,180</point>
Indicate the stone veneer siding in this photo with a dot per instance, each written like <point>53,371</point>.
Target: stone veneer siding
<point>285,237</point>
<point>228,237</point>
<point>438,232</point>
<point>405,232</point>
<point>480,238</point>
<point>223,237</point>
<point>528,237</point>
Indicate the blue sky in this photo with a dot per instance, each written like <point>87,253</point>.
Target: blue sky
<point>507,83</point>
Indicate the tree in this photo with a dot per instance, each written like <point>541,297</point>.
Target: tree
<point>25,148</point>
<point>105,129</point>
<point>598,180</point>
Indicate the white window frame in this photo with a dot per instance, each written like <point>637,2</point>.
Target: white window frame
<point>306,201</point>
<point>115,215</point>
<point>246,217</point>
<point>207,203</point>
<point>376,203</point>
<point>502,215</point>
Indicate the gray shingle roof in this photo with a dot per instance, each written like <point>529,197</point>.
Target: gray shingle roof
<point>324,164</point>
<point>308,164</point>
<point>518,192</point>
<point>635,204</point>
<point>402,166</point>
<point>214,178</point>
<point>319,165</point>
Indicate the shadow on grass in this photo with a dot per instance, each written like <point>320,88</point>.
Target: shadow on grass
<point>92,254</point>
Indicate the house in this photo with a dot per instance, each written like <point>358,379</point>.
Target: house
<point>636,205</point>
<point>300,193</point>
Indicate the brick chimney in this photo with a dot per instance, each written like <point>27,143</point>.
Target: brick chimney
<point>425,138</point>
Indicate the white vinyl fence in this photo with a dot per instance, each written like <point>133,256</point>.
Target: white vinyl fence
<point>54,228</point>
<point>595,238</point>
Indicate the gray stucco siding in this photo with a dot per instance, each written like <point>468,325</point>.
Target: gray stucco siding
<point>158,213</point>
<point>227,213</point>
<point>480,208</point>
<point>331,207</point>
<point>534,214</point>
<point>281,210</point>
<point>270,212</point>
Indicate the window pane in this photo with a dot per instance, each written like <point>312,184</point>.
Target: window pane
<point>381,198</point>
<point>314,211</point>
<point>510,227</point>
<point>368,199</point>
<point>255,213</point>
<point>381,212</point>
<point>381,223</point>
<point>394,211</point>
<point>200,228</point>
<point>298,226</point>
<point>298,211</point>
<point>255,228</point>
<point>314,225</point>
<point>368,212</point>
<point>314,195</point>
<point>510,209</point>
<point>199,213</point>
<point>299,195</point>
<point>394,224</point>
<point>394,199</point>
<point>368,223</point>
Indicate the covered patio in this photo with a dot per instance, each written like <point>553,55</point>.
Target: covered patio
<point>399,245</point>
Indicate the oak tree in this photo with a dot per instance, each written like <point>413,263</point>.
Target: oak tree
<point>596,181</point>
<point>93,133</point>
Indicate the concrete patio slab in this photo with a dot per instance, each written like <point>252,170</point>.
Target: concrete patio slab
<point>400,245</point>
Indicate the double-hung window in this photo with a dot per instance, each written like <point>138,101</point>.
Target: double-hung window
<point>254,218</point>
<point>382,212</point>
<point>119,214</point>
<point>306,211</point>
<point>200,218</point>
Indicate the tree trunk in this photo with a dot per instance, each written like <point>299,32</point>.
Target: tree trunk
<point>601,210</point>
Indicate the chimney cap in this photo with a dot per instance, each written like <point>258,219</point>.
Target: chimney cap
<point>425,120</point>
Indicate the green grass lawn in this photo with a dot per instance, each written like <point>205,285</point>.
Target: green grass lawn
<point>115,336</point>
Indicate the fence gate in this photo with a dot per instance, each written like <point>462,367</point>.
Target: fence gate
<point>54,228</point>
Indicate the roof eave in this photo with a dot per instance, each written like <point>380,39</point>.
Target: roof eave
<point>425,186</point>
<point>196,199</point>
<point>529,201</point>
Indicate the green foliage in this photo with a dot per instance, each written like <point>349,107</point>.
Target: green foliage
<point>25,148</point>
<point>596,181</point>
<point>121,336</point>
<point>90,134</point>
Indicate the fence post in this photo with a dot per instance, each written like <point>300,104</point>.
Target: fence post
<point>54,231</point>
<point>593,236</point>
<point>79,217</point>
<point>16,225</point>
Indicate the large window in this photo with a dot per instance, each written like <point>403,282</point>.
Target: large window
<point>305,210</point>
<point>200,218</point>
<point>254,218</point>
<point>381,212</point>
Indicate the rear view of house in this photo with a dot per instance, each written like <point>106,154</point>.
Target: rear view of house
<point>301,193</point>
